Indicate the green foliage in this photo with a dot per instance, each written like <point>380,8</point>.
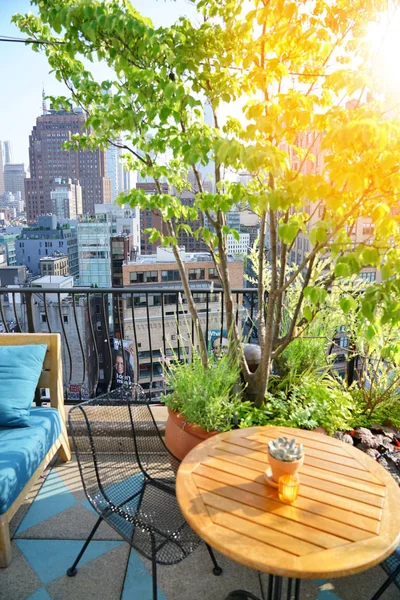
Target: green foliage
<point>301,356</point>
<point>312,402</point>
<point>208,398</point>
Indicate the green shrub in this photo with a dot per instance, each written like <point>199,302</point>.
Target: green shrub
<point>209,398</point>
<point>312,402</point>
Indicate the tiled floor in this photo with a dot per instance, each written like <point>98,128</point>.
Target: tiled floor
<point>51,527</point>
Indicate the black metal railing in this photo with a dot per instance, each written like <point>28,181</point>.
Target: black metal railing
<point>112,336</point>
<point>131,329</point>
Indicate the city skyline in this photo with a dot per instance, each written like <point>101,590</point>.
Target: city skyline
<point>27,72</point>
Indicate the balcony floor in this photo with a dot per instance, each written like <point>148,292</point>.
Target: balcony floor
<point>48,534</point>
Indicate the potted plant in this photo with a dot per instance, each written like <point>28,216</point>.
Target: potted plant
<point>202,403</point>
<point>285,457</point>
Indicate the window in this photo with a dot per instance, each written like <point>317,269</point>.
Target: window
<point>368,276</point>
<point>196,274</point>
<point>171,275</point>
<point>143,276</point>
<point>98,326</point>
<point>368,229</point>
<point>43,318</point>
<point>65,318</point>
<point>212,273</point>
<point>344,342</point>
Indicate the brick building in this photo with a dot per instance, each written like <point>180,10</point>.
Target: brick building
<point>49,161</point>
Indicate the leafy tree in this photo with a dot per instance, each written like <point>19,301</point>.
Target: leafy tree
<point>301,74</point>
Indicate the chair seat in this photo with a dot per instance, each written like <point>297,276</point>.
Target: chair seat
<point>22,449</point>
<point>156,508</point>
<point>392,563</point>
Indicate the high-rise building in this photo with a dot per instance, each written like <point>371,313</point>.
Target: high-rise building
<point>67,199</point>
<point>115,171</point>
<point>94,253</point>
<point>8,153</point>
<point>14,179</point>
<point>48,161</point>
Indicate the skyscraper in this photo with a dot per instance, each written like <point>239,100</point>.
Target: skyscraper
<point>115,170</point>
<point>14,178</point>
<point>8,153</point>
<point>48,162</point>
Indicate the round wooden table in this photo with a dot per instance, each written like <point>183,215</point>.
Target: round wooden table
<point>346,518</point>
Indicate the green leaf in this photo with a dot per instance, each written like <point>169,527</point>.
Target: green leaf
<point>342,270</point>
<point>347,304</point>
<point>308,313</point>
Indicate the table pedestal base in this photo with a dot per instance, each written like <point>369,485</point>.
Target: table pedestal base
<point>274,590</point>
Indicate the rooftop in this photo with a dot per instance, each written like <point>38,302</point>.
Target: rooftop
<point>165,256</point>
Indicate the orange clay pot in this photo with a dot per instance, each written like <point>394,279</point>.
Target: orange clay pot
<point>280,467</point>
<point>181,437</point>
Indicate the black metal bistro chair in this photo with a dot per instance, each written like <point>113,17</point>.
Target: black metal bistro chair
<point>128,476</point>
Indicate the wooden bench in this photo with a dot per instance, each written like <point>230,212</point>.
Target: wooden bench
<point>52,379</point>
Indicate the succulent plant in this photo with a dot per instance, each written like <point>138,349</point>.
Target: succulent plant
<point>285,450</point>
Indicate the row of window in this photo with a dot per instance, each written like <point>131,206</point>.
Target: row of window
<point>170,275</point>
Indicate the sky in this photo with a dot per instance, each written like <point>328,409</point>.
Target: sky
<point>23,72</point>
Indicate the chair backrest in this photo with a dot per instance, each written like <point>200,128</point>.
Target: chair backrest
<point>117,444</point>
<point>51,376</point>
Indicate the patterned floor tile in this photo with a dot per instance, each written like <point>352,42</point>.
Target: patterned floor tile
<point>53,498</point>
<point>51,558</point>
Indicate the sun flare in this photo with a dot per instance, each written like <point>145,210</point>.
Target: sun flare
<point>384,38</point>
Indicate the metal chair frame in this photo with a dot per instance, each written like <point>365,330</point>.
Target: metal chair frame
<point>161,536</point>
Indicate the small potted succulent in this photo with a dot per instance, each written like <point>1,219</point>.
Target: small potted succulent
<point>284,457</point>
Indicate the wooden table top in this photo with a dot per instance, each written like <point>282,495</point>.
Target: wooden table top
<point>346,518</point>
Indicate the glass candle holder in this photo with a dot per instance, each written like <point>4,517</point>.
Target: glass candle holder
<point>288,488</point>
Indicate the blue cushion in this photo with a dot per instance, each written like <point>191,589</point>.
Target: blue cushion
<point>20,369</point>
<point>22,450</point>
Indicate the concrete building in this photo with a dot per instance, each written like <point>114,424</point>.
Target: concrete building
<point>66,197</point>
<point>48,160</point>
<point>54,266</point>
<point>45,239</point>
<point>155,325</point>
<point>94,253</point>
<point>13,276</point>
<point>238,247</point>
<point>14,179</point>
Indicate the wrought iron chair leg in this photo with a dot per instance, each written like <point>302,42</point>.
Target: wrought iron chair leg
<point>217,569</point>
<point>154,567</point>
<point>72,571</point>
<point>270,586</point>
<point>386,584</point>
<point>297,589</point>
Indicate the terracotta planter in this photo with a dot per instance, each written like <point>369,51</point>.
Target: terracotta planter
<point>280,467</point>
<point>181,437</point>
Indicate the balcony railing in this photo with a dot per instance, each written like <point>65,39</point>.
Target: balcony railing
<point>138,328</point>
<point>117,335</point>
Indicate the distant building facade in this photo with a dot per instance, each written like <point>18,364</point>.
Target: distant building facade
<point>54,265</point>
<point>66,197</point>
<point>47,238</point>
<point>94,253</point>
<point>48,161</point>
<point>14,180</point>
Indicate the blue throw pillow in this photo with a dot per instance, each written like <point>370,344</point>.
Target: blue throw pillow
<point>20,369</point>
